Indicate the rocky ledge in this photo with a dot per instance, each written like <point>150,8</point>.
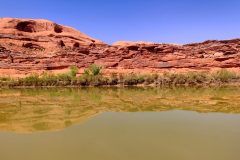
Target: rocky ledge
<point>28,46</point>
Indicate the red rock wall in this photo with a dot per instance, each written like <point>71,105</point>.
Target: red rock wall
<point>28,46</point>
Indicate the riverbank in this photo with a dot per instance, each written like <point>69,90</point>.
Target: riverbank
<point>93,76</point>
<point>30,46</point>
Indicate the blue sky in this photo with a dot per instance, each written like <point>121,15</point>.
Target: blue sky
<point>173,21</point>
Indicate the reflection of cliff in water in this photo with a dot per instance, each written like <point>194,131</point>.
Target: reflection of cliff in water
<point>31,110</point>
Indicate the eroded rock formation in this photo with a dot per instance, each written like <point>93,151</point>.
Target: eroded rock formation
<point>28,46</point>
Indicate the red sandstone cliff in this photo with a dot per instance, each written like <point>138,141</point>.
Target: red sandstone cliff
<point>28,45</point>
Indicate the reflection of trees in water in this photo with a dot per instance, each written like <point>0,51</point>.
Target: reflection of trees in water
<point>30,110</point>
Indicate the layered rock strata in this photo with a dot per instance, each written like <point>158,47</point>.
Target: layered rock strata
<point>28,46</point>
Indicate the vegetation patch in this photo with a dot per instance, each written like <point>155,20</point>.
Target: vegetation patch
<point>93,76</point>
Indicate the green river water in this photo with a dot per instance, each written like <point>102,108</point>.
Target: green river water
<point>120,124</point>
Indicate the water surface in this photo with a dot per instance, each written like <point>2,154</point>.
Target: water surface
<point>124,124</point>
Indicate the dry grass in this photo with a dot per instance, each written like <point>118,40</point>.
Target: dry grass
<point>93,77</point>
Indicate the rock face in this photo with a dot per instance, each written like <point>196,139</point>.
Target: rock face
<point>28,46</point>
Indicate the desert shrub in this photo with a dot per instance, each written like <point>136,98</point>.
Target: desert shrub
<point>93,70</point>
<point>168,79</point>
<point>5,78</point>
<point>132,79</point>
<point>90,80</point>
<point>178,79</point>
<point>114,79</point>
<point>31,80</point>
<point>84,80</point>
<point>149,78</point>
<point>196,78</point>
<point>6,81</point>
<point>49,80</point>
<point>224,75</point>
<point>64,77</point>
<point>73,71</point>
<point>191,78</point>
<point>99,80</point>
